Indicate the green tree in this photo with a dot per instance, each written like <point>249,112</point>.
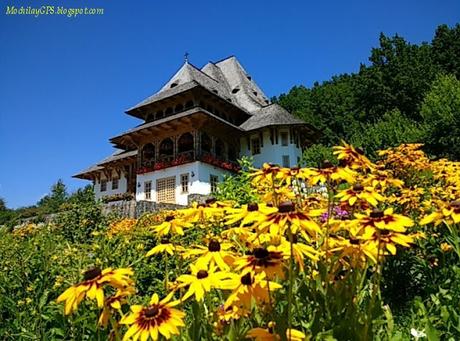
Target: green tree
<point>446,49</point>
<point>53,201</point>
<point>441,114</point>
<point>391,130</point>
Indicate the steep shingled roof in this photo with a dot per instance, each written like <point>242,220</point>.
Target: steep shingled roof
<point>116,155</point>
<point>226,78</point>
<point>270,115</point>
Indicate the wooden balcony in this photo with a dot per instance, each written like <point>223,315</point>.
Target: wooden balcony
<point>186,157</point>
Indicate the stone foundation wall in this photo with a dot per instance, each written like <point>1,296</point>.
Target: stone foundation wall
<point>135,209</point>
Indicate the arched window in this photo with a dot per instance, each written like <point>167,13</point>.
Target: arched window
<point>166,148</point>
<point>179,108</point>
<point>148,154</point>
<point>160,114</point>
<point>185,143</point>
<point>206,143</point>
<point>168,111</point>
<point>220,149</point>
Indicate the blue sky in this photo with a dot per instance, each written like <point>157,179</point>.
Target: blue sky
<point>66,82</point>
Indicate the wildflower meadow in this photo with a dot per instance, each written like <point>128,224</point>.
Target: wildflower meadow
<point>353,249</point>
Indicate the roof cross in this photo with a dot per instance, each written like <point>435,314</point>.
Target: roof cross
<point>186,57</point>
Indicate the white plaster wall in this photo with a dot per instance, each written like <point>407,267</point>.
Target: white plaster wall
<point>271,153</point>
<point>198,183</point>
<point>122,186</point>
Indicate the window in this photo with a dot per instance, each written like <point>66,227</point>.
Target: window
<point>286,161</point>
<point>255,145</point>
<point>214,180</point>
<point>148,190</point>
<point>284,138</point>
<point>166,190</point>
<point>115,183</point>
<point>184,183</point>
<point>103,185</point>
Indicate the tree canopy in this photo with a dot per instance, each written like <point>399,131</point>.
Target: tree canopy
<point>392,99</point>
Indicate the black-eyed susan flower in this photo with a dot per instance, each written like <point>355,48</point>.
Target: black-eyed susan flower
<point>449,213</point>
<point>260,260</point>
<point>353,157</point>
<point>201,281</point>
<point>172,225</point>
<point>216,253</point>
<point>248,289</point>
<point>247,214</point>
<point>92,286</point>
<point>159,317</point>
<point>359,192</point>
<point>384,220</point>
<point>286,213</point>
<point>165,246</point>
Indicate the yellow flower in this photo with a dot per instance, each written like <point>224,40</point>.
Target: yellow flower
<point>92,286</point>
<point>248,289</point>
<point>287,215</point>
<point>248,214</point>
<point>165,246</point>
<point>173,225</point>
<point>201,281</point>
<point>215,253</point>
<point>299,250</point>
<point>294,335</point>
<point>158,318</point>
<point>352,157</point>
<point>263,334</point>
<point>114,303</point>
<point>450,214</point>
<point>262,261</point>
<point>386,220</point>
<point>359,192</point>
<point>445,247</point>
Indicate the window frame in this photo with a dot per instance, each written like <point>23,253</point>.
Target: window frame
<point>148,194</point>
<point>103,185</point>
<point>285,158</point>
<point>184,183</point>
<point>213,182</point>
<point>117,182</point>
<point>284,142</point>
<point>255,146</point>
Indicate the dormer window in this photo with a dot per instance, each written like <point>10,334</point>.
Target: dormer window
<point>174,85</point>
<point>249,77</point>
<point>215,91</point>
<point>255,93</point>
<point>235,90</point>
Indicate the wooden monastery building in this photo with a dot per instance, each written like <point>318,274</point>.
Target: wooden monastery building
<point>194,129</point>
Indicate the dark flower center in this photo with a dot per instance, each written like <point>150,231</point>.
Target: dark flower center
<point>165,240</point>
<point>152,311</point>
<point>354,241</point>
<point>253,207</point>
<point>376,213</point>
<point>358,187</point>
<point>92,274</point>
<point>360,151</point>
<point>247,279</point>
<point>286,207</point>
<point>455,205</point>
<point>327,164</point>
<point>261,253</point>
<point>202,274</point>
<point>384,232</point>
<point>214,246</point>
<point>169,218</point>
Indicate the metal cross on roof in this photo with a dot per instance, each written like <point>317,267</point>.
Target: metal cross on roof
<point>186,57</point>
